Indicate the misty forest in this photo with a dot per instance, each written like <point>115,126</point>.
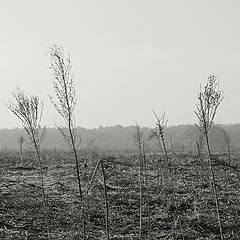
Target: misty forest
<point>67,182</point>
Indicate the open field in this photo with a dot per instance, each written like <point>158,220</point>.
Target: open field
<point>179,205</point>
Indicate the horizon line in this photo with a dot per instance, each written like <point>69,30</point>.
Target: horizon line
<point>124,126</point>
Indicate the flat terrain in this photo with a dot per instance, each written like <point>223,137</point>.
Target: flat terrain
<point>177,201</point>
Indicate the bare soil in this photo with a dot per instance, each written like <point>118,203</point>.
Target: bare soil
<point>177,199</point>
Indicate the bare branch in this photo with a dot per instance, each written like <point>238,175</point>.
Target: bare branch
<point>209,99</point>
<point>65,93</point>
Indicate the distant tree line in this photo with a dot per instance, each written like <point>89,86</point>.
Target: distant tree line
<point>120,138</point>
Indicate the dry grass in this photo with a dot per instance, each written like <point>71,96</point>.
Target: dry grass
<point>193,216</point>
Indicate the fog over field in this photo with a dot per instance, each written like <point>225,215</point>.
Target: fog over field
<point>120,138</point>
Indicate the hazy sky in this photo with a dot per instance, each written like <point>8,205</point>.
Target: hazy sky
<point>128,56</point>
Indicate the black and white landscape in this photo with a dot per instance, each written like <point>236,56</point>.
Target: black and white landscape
<point>119,120</point>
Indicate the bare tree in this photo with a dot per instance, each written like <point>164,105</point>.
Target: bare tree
<point>145,147</point>
<point>29,111</point>
<point>171,145</point>
<point>159,134</point>
<point>138,140</point>
<point>100,162</point>
<point>227,142</point>
<point>209,99</point>
<point>199,144</point>
<point>65,102</point>
<point>21,141</point>
<point>154,135</point>
<point>161,123</point>
<point>106,200</point>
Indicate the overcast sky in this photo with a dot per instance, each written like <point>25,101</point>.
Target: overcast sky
<point>128,56</point>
